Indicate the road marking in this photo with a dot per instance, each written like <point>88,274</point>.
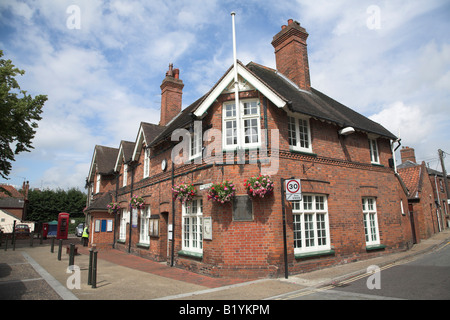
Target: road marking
<point>336,284</point>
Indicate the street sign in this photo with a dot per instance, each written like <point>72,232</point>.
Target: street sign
<point>293,189</point>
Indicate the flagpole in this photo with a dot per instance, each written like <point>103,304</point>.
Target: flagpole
<point>236,82</point>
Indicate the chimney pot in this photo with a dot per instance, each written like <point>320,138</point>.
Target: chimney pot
<point>283,27</point>
<point>290,21</point>
<point>176,73</point>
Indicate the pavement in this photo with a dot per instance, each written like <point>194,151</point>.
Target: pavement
<point>29,273</point>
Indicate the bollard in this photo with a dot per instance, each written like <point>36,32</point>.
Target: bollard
<point>31,239</point>
<point>14,241</point>
<point>72,255</point>
<point>91,253</point>
<point>52,248</point>
<point>1,238</point>
<point>59,250</point>
<point>6,243</point>
<point>94,270</point>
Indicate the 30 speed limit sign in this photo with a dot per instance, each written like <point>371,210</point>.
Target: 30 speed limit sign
<point>293,189</point>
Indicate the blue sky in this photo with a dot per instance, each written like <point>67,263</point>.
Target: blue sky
<point>102,72</point>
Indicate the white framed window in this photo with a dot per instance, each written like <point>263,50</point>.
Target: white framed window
<point>242,127</point>
<point>311,227</point>
<point>192,220</point>
<point>97,185</point>
<point>146,162</point>
<point>125,175</point>
<point>373,146</point>
<point>195,145</point>
<point>124,218</point>
<point>369,207</point>
<point>144,235</point>
<point>299,133</point>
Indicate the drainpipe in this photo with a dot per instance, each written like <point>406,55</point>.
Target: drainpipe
<point>131,209</point>
<point>173,219</point>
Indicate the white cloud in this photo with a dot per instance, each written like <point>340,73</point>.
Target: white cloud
<point>103,79</point>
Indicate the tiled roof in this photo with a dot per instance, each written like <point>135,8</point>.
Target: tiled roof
<point>412,176</point>
<point>101,202</point>
<point>317,104</point>
<point>106,159</point>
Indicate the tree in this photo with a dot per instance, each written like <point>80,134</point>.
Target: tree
<point>19,112</point>
<point>45,205</point>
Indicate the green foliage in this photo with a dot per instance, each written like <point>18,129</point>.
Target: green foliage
<point>19,112</point>
<point>45,205</point>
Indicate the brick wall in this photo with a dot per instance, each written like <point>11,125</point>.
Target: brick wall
<point>340,169</point>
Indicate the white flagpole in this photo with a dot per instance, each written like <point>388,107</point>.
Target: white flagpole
<point>236,83</point>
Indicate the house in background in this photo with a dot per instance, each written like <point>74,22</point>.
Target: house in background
<point>275,127</point>
<point>101,183</point>
<point>13,206</point>
<point>427,201</point>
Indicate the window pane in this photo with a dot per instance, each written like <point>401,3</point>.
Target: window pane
<point>309,230</point>
<point>251,130</point>
<point>292,134</point>
<point>230,110</point>
<point>231,137</point>
<point>303,130</point>
<point>250,108</point>
<point>297,231</point>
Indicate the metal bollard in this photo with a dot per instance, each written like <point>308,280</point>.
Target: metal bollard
<point>14,241</point>
<point>72,255</point>
<point>31,238</point>
<point>91,254</point>
<point>94,270</point>
<point>6,243</point>
<point>59,250</point>
<point>52,248</point>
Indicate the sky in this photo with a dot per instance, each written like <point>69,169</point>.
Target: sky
<point>101,64</point>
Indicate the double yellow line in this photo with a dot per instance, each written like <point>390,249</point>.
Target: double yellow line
<point>337,284</point>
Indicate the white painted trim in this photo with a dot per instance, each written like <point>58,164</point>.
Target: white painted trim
<point>225,82</point>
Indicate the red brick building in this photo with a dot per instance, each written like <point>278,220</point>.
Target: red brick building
<point>278,127</point>
<point>427,200</point>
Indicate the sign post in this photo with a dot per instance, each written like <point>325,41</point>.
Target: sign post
<point>286,270</point>
<point>293,193</point>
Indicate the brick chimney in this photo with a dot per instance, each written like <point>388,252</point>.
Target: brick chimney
<point>408,153</point>
<point>171,92</point>
<point>291,54</point>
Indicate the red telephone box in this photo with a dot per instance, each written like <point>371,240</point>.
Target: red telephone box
<point>63,226</point>
<point>44,230</point>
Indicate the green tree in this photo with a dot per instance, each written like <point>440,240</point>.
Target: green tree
<point>45,205</point>
<point>19,112</point>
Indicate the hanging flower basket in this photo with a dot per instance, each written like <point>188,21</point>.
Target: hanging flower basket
<point>184,192</point>
<point>260,186</point>
<point>222,192</point>
<point>113,207</point>
<point>137,202</point>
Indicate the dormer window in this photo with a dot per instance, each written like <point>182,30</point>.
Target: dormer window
<point>374,158</point>
<point>195,145</point>
<point>125,175</point>
<point>97,184</point>
<point>299,133</point>
<point>146,162</point>
<point>241,128</point>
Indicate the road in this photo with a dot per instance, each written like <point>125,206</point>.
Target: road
<point>425,278</point>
